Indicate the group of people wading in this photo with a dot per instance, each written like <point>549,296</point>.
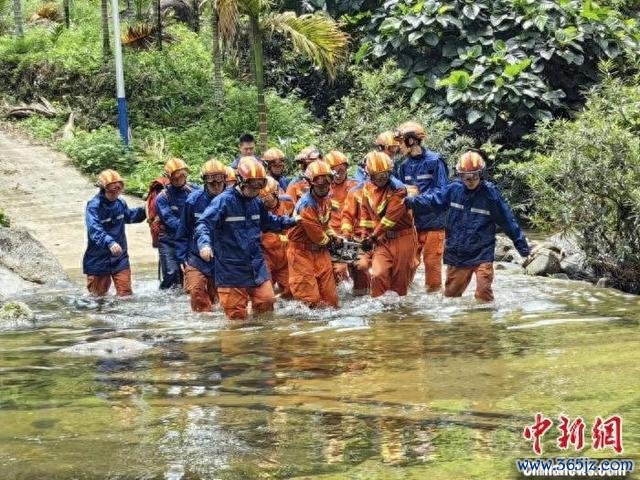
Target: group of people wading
<point>250,229</point>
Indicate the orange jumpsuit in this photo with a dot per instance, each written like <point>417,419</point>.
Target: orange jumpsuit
<point>310,272</point>
<point>354,226</point>
<point>274,246</point>
<point>338,196</point>
<point>297,188</point>
<point>394,256</point>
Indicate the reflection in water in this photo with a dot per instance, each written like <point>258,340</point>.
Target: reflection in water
<point>386,388</point>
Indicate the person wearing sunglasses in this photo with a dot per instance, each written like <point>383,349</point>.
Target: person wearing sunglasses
<point>106,258</point>
<point>424,171</point>
<point>299,185</point>
<point>393,239</point>
<point>274,244</point>
<point>275,162</point>
<point>475,208</point>
<point>169,205</point>
<point>310,270</point>
<point>228,231</point>
<point>199,278</point>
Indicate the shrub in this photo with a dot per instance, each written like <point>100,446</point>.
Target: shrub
<point>4,220</point>
<point>42,128</point>
<point>584,180</point>
<point>376,105</point>
<point>95,151</point>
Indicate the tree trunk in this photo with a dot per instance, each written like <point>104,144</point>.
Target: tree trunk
<point>196,16</point>
<point>67,14</point>
<point>218,92</point>
<point>259,76</point>
<point>158,13</point>
<point>106,47</point>
<point>17,18</point>
<point>129,10</point>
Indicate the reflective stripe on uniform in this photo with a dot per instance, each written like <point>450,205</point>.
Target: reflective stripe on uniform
<point>424,177</point>
<point>120,216</point>
<point>234,219</point>
<point>367,223</point>
<point>255,217</point>
<point>105,220</point>
<point>480,210</point>
<point>457,205</point>
<point>385,222</point>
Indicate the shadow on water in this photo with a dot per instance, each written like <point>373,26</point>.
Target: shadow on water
<point>392,387</point>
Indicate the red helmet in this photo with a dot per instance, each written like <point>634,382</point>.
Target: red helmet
<point>470,162</point>
<point>249,169</point>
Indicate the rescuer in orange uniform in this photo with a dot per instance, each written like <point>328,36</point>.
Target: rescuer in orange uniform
<point>299,185</point>
<point>355,227</point>
<point>310,272</point>
<point>275,244</point>
<point>340,187</point>
<point>394,238</point>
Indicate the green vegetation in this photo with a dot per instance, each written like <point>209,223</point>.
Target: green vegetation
<point>4,220</point>
<point>487,74</point>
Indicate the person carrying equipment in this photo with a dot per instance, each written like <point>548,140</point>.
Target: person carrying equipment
<point>169,204</point>
<point>475,207</point>
<point>310,271</point>
<point>199,277</point>
<point>393,240</point>
<point>106,257</point>
<point>299,185</point>
<point>229,232</point>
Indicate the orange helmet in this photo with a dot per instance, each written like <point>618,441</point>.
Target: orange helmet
<point>230,175</point>
<point>272,155</point>
<point>378,162</point>
<point>174,165</point>
<point>411,129</point>
<point>106,177</point>
<point>308,154</point>
<point>316,169</point>
<point>386,139</point>
<point>213,167</point>
<point>335,158</point>
<point>470,162</point>
<point>271,188</point>
<point>249,168</point>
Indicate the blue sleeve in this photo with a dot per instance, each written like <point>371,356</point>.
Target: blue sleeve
<point>441,175</point>
<point>274,223</point>
<point>205,225</point>
<point>171,221</point>
<point>436,201</point>
<point>134,215</point>
<point>182,234</point>
<point>96,231</point>
<point>504,217</point>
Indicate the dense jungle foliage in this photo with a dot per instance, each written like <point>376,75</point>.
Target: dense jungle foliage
<point>528,81</point>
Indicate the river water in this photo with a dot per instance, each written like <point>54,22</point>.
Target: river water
<point>392,388</point>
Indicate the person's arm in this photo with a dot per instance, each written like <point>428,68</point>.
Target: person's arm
<point>170,220</point>
<point>134,215</point>
<point>436,201</point>
<point>208,221</point>
<point>182,234</point>
<point>274,223</point>
<point>96,230</point>
<point>504,217</point>
<point>309,221</point>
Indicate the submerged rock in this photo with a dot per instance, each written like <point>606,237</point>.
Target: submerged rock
<point>16,311</point>
<point>544,263</point>
<point>117,348</point>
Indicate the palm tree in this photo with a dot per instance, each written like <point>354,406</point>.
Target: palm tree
<point>158,14</point>
<point>104,13</point>
<point>67,14</point>
<point>314,35</point>
<point>17,18</point>
<point>216,54</point>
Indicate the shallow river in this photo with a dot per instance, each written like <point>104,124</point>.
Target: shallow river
<point>413,388</point>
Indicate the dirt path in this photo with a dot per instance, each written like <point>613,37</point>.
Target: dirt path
<point>40,190</point>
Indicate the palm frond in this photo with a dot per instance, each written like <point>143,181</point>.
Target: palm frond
<point>228,17</point>
<point>314,35</point>
<point>49,11</point>
<point>142,36</point>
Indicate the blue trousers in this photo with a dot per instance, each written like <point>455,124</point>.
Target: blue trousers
<point>169,265</point>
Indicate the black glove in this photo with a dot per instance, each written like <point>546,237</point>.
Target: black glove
<point>337,242</point>
<point>368,243</point>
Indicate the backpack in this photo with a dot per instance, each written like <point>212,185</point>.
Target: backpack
<point>155,187</point>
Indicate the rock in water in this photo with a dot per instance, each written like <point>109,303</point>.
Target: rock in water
<point>545,262</point>
<point>16,311</point>
<point>117,348</point>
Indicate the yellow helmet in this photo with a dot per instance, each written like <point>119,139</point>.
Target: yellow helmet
<point>213,167</point>
<point>271,188</point>
<point>106,177</point>
<point>470,162</point>
<point>272,155</point>
<point>316,169</point>
<point>411,129</point>
<point>230,175</point>
<point>174,165</point>
<point>378,162</point>
<point>386,139</point>
<point>249,168</point>
<point>335,158</point>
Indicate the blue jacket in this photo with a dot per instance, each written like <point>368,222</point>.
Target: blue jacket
<point>169,204</point>
<point>429,173</point>
<point>232,225</point>
<point>361,174</point>
<point>186,247</point>
<point>105,222</point>
<point>283,182</point>
<point>471,221</point>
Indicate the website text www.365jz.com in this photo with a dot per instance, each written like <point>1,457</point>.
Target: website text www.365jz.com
<point>574,467</point>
